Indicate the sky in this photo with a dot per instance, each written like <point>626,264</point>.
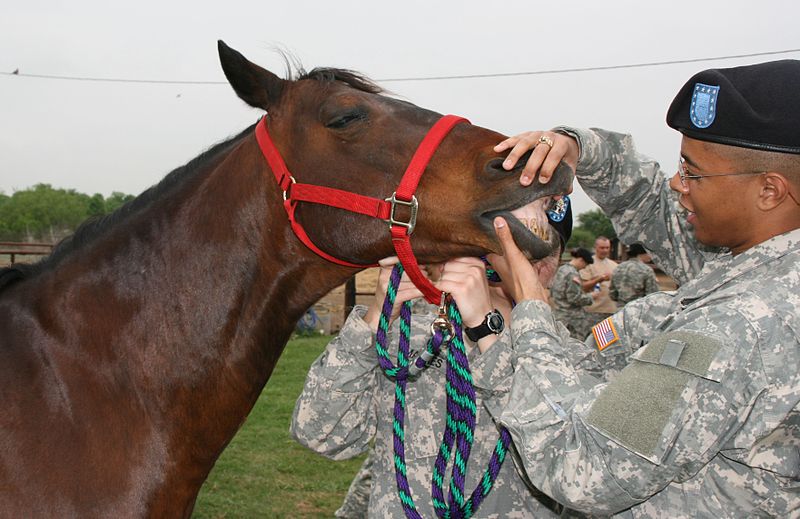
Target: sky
<point>101,137</point>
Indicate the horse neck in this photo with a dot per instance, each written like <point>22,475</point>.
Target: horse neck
<point>241,280</point>
<point>194,299</point>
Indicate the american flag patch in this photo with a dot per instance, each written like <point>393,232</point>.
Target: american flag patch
<point>604,334</point>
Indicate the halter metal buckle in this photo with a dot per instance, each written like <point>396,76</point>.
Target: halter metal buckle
<point>287,190</point>
<point>412,219</point>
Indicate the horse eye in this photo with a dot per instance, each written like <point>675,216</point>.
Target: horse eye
<point>343,120</point>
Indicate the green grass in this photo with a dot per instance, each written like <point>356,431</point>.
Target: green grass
<point>264,473</point>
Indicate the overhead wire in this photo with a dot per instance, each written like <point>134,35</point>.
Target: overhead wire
<point>423,78</point>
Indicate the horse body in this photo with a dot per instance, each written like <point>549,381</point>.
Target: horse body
<point>130,357</point>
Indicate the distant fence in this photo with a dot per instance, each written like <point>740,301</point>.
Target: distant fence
<point>15,249</point>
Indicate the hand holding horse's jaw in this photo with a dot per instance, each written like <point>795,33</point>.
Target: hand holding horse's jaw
<point>520,276</point>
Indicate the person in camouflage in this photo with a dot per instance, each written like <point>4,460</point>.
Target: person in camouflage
<point>568,297</point>
<point>700,417</point>
<point>356,503</point>
<point>633,278</point>
<point>347,402</point>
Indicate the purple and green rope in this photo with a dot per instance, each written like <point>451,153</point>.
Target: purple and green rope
<point>461,412</point>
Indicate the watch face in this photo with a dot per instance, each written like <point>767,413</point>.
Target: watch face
<point>495,322</point>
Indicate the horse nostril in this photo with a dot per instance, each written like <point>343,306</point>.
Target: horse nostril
<point>494,166</point>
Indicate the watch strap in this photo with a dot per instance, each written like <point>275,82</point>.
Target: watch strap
<point>477,333</point>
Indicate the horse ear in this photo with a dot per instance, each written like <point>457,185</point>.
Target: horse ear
<point>254,85</point>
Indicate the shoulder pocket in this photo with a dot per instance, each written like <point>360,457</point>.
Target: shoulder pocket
<point>642,409</point>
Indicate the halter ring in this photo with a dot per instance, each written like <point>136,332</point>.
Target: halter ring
<point>293,181</point>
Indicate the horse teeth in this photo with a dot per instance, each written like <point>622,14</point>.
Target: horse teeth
<point>532,224</point>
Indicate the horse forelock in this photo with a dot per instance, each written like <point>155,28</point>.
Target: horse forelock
<point>349,77</point>
<point>94,227</point>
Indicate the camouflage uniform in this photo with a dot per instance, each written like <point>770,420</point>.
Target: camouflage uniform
<point>356,502</point>
<point>703,420</point>
<point>347,402</point>
<point>632,280</point>
<point>569,302</point>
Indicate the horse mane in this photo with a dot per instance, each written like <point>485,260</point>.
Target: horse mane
<point>97,226</point>
<point>349,77</point>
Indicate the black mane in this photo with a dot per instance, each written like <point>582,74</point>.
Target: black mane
<point>350,77</point>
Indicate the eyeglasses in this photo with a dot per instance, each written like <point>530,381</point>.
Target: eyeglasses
<point>685,176</point>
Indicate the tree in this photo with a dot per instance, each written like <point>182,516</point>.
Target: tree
<point>97,205</point>
<point>580,238</point>
<point>117,200</point>
<point>44,213</point>
<point>597,223</point>
<point>591,224</point>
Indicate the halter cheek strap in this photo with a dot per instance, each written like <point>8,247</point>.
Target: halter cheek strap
<point>294,192</point>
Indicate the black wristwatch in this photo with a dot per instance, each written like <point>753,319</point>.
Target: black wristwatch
<point>492,323</point>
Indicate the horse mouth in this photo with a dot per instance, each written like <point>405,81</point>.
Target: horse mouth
<point>531,228</point>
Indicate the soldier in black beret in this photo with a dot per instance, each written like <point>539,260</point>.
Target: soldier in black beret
<point>695,413</point>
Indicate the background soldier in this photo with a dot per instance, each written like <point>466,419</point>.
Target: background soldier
<point>634,278</point>
<point>570,297</point>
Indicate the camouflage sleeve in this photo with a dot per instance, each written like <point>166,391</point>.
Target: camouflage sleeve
<point>613,291</point>
<point>651,283</point>
<point>633,191</point>
<point>605,448</point>
<point>493,370</point>
<point>566,290</point>
<point>574,294</point>
<point>335,413</point>
<point>491,373</point>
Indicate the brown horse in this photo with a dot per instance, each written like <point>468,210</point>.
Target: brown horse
<point>132,354</point>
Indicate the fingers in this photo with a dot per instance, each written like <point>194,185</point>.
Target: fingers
<point>519,277</point>
<point>390,261</point>
<point>462,276</point>
<point>406,292</point>
<point>541,153</point>
<point>549,149</point>
<point>506,144</point>
<point>511,252</point>
<point>519,145</point>
<point>548,152</point>
<point>465,280</point>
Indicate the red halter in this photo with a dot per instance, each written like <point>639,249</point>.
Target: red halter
<point>376,208</point>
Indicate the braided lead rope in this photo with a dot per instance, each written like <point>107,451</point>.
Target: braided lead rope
<point>461,392</point>
<point>400,373</point>
<point>461,412</point>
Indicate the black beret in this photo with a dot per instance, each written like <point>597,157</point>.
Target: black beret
<point>582,253</point>
<point>635,249</point>
<point>754,106</point>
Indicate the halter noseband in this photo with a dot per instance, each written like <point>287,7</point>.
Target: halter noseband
<point>294,192</point>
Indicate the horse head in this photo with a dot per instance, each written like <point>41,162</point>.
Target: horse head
<point>336,128</point>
